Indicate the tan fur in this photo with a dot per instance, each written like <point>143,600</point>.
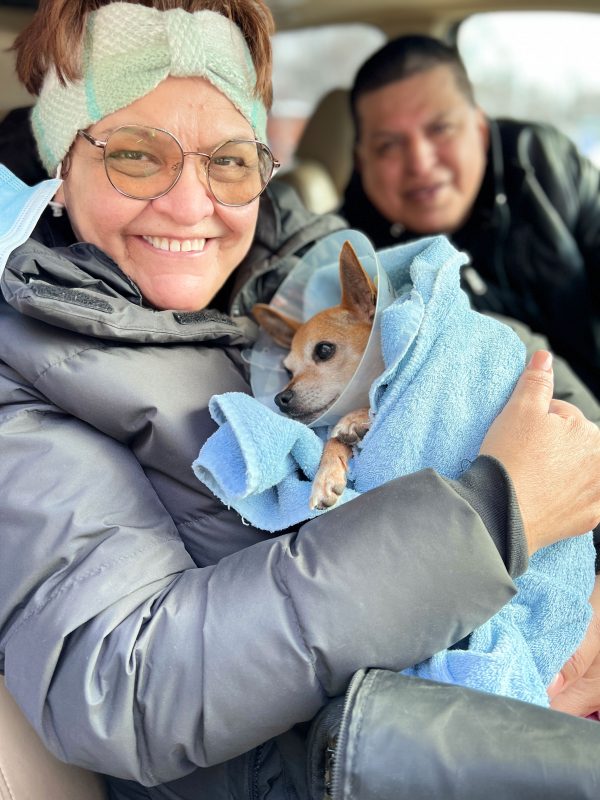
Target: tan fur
<point>324,354</point>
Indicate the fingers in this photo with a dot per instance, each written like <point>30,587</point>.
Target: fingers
<point>529,402</point>
<point>579,663</point>
<point>565,410</point>
<point>536,384</point>
<point>552,454</point>
<point>577,700</point>
<point>576,688</point>
<point>556,686</point>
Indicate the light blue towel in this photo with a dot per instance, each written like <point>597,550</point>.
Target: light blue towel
<point>260,463</point>
<point>448,373</point>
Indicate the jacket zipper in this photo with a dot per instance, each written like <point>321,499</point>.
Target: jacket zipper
<point>255,772</point>
<point>336,746</point>
<point>330,753</point>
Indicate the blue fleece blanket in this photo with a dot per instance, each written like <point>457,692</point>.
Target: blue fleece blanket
<point>448,373</point>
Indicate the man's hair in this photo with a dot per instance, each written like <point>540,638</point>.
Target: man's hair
<point>403,57</point>
<point>54,37</point>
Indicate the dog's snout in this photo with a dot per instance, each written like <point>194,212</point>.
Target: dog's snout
<point>284,399</point>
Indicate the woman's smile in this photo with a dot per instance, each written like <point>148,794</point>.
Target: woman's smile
<point>192,246</point>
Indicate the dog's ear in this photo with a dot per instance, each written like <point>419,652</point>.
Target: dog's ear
<point>280,327</point>
<point>358,290</point>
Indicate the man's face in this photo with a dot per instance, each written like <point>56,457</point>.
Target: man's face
<point>421,152</point>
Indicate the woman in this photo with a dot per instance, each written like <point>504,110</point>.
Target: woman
<point>147,632</point>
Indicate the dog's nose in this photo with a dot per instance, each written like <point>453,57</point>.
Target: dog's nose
<point>284,399</point>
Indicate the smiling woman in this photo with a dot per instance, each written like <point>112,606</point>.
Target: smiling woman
<point>147,631</point>
<point>181,243</point>
<point>173,201</point>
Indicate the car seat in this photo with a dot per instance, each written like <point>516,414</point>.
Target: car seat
<point>324,155</point>
<point>28,771</point>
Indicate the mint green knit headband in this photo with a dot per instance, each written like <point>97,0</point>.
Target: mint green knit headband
<point>128,50</point>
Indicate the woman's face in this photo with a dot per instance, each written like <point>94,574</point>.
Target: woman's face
<point>180,248</point>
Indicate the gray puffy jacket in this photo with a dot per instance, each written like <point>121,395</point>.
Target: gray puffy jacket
<point>145,630</point>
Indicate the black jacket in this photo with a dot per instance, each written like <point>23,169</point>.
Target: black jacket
<point>533,237</point>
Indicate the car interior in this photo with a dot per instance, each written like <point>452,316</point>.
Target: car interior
<point>318,164</point>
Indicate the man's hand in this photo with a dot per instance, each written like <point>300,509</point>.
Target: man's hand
<point>576,688</point>
<point>552,454</point>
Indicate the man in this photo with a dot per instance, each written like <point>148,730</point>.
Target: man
<point>517,197</point>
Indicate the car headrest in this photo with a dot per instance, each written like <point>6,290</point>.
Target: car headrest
<point>324,155</point>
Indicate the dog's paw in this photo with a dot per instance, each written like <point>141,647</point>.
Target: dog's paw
<point>352,427</point>
<point>327,487</point>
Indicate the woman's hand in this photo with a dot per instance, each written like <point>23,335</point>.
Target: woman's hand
<point>576,688</point>
<point>552,454</point>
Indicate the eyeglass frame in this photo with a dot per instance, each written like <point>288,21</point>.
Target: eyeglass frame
<point>275,164</point>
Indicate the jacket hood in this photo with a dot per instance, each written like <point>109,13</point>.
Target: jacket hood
<point>80,289</point>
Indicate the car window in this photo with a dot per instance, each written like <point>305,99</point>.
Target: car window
<point>308,63</point>
<point>538,66</point>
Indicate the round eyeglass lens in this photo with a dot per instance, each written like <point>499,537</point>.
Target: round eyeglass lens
<point>238,171</point>
<point>142,162</point>
<point>145,163</point>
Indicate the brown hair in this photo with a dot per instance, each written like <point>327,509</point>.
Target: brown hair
<point>403,57</point>
<point>54,37</point>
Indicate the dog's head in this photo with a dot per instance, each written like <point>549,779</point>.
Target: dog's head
<point>326,349</point>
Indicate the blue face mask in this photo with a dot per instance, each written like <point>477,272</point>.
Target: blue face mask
<point>20,208</point>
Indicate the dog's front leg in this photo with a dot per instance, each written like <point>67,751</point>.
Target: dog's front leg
<point>330,480</point>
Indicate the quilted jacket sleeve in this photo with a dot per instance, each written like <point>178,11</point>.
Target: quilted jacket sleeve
<point>129,659</point>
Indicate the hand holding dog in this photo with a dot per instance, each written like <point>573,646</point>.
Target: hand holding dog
<point>552,454</point>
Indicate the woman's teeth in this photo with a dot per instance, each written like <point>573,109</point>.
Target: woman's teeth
<point>175,245</point>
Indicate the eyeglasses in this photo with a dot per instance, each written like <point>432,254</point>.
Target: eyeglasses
<point>146,163</point>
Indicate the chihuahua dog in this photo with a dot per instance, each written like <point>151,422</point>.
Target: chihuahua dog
<point>324,354</point>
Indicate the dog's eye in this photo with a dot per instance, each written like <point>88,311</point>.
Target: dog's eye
<point>324,351</point>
